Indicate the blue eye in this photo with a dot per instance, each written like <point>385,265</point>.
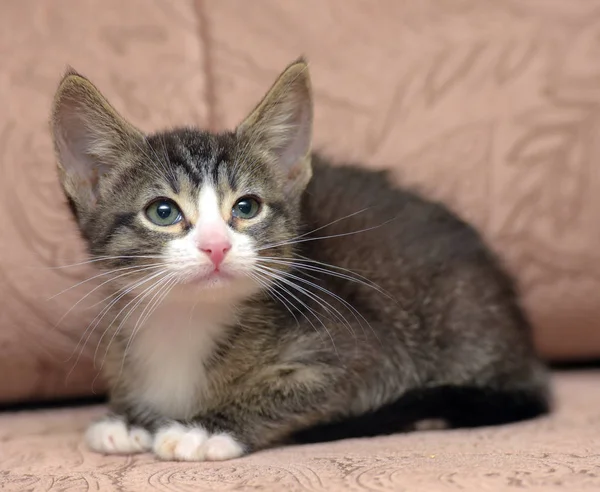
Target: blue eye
<point>246,207</point>
<point>163,212</point>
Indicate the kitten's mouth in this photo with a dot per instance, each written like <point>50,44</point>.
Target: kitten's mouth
<point>212,277</point>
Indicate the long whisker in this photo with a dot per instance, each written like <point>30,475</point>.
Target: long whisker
<point>138,270</point>
<point>273,294</point>
<point>295,264</point>
<point>96,321</point>
<point>152,162</point>
<point>343,234</point>
<point>335,222</point>
<point>335,296</point>
<point>277,281</point>
<point>142,296</point>
<point>103,274</point>
<point>105,258</point>
<point>163,292</point>
<point>318,228</point>
<point>98,318</point>
<point>303,258</point>
<point>150,307</point>
<point>137,298</point>
<point>159,296</point>
<point>328,307</point>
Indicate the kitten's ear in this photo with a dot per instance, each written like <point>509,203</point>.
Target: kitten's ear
<point>90,138</point>
<point>282,125</point>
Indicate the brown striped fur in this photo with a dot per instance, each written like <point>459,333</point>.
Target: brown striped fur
<point>444,314</point>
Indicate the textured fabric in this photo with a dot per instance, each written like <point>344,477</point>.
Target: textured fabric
<point>493,107</point>
<point>147,59</point>
<point>43,451</point>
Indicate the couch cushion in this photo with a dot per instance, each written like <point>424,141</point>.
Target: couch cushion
<point>146,58</point>
<point>43,450</point>
<point>491,107</point>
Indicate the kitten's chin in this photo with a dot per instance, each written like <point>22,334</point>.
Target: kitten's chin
<point>223,284</point>
<point>211,280</point>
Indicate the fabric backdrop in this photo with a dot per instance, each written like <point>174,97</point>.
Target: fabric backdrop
<point>493,107</point>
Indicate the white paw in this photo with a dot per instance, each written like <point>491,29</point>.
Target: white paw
<point>112,436</point>
<point>221,447</point>
<point>178,442</point>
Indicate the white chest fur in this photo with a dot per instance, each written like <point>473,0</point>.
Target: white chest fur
<point>169,355</point>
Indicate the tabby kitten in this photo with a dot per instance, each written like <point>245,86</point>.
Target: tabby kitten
<point>265,297</point>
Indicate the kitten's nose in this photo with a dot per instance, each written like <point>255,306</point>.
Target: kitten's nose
<point>216,250</point>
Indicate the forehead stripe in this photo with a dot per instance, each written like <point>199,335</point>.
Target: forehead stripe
<point>208,205</point>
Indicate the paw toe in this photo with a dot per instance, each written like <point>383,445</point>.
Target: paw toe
<point>111,436</point>
<point>166,441</point>
<point>191,445</point>
<point>220,447</point>
<point>140,439</point>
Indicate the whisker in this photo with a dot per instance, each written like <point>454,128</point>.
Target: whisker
<point>303,258</point>
<point>167,285</point>
<point>277,280</point>
<point>158,284</point>
<point>160,295</point>
<point>328,307</point>
<point>142,296</point>
<point>294,263</point>
<point>103,274</point>
<point>140,269</point>
<point>150,308</point>
<point>319,228</point>
<point>335,296</point>
<point>98,318</point>
<point>105,258</point>
<point>343,234</point>
<point>139,298</point>
<point>274,294</point>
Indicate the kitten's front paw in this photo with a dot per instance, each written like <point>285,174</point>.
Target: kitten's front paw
<point>221,447</point>
<point>178,442</point>
<point>112,436</point>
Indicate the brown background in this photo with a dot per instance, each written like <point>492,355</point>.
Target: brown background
<point>493,107</point>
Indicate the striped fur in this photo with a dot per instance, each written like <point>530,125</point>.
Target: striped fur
<point>300,336</point>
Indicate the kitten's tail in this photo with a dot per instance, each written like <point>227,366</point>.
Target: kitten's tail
<point>456,406</point>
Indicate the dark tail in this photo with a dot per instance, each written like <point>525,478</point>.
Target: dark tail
<point>457,406</point>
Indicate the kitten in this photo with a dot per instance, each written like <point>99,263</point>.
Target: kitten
<point>266,297</point>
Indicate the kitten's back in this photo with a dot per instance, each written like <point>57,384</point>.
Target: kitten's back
<point>453,313</point>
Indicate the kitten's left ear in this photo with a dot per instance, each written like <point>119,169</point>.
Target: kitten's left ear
<point>282,125</point>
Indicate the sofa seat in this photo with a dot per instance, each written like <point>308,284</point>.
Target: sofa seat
<point>42,450</point>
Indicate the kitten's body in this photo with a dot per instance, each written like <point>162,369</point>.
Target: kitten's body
<point>400,305</point>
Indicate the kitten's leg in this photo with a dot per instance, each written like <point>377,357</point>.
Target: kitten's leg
<point>112,435</point>
<point>257,416</point>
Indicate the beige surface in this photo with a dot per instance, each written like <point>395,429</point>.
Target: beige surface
<point>492,106</point>
<point>42,451</point>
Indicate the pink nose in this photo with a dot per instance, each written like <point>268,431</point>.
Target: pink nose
<point>216,251</point>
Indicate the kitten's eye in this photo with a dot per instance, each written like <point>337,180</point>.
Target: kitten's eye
<point>163,212</point>
<point>246,207</point>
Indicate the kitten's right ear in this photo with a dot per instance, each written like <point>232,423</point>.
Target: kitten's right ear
<point>90,138</point>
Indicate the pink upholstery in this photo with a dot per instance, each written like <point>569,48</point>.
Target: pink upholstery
<point>490,106</point>
<point>43,451</point>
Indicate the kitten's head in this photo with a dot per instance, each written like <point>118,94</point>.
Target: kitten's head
<point>191,206</point>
